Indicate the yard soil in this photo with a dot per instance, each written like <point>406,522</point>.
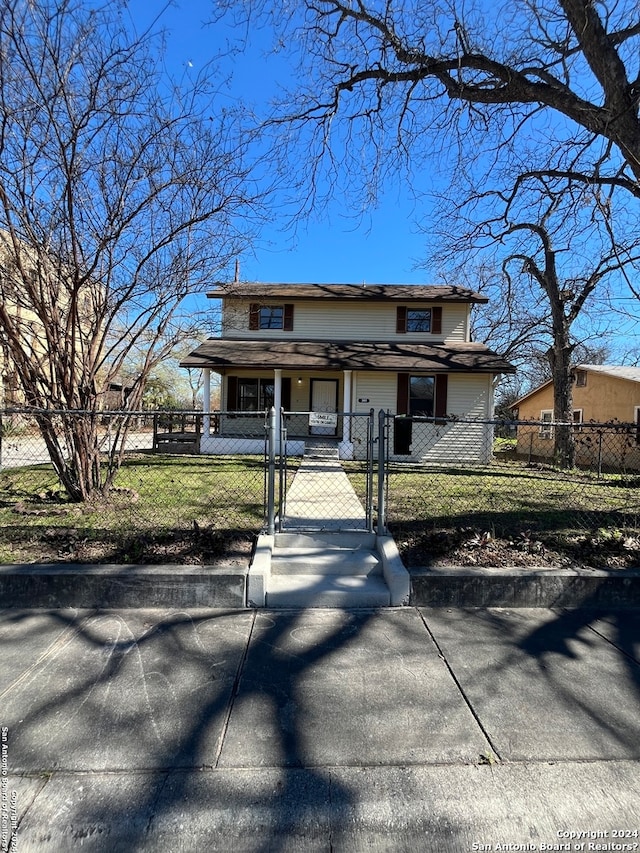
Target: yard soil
<point>418,547</point>
<point>467,547</point>
<point>62,545</point>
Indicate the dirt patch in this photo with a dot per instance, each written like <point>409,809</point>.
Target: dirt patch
<point>468,547</point>
<point>198,547</point>
<point>417,546</point>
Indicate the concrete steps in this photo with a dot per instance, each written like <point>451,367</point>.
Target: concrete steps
<point>326,570</point>
<point>349,591</point>
<point>321,450</point>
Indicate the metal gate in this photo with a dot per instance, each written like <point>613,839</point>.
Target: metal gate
<point>321,471</point>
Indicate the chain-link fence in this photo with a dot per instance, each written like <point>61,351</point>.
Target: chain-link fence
<point>168,501</point>
<point>452,480</point>
<point>192,486</point>
<point>321,496</point>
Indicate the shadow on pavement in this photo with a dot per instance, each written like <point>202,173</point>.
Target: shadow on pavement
<point>109,693</point>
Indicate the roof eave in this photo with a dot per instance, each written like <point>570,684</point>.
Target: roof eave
<point>330,293</point>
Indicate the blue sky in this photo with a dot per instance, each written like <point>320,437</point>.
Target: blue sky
<point>384,248</point>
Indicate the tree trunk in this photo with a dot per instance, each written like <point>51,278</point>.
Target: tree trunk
<point>73,444</point>
<point>560,360</point>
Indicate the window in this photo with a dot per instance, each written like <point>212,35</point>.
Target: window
<point>271,316</point>
<point>637,420</point>
<point>255,395</point>
<point>581,378</point>
<point>426,320</point>
<point>421,395</point>
<point>546,430</point>
<point>577,419</point>
<point>418,321</point>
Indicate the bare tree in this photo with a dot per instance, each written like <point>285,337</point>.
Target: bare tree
<point>120,194</point>
<point>545,94</point>
<point>401,78</point>
<point>556,261</point>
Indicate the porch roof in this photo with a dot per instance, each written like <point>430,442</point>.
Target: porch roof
<point>220,354</point>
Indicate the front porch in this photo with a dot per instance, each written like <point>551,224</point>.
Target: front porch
<point>317,405</point>
<point>253,441</point>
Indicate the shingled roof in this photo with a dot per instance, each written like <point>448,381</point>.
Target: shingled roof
<point>368,292</point>
<point>219,355</point>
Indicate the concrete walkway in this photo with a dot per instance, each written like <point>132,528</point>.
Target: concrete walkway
<point>321,730</point>
<point>326,556</point>
<point>322,498</point>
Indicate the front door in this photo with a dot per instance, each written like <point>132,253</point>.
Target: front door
<point>324,398</point>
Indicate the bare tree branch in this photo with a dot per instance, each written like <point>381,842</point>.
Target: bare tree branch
<point>120,195</point>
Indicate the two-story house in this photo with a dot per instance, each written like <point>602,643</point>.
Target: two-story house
<point>344,348</point>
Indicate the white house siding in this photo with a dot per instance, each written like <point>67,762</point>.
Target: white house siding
<point>318,320</point>
<point>468,397</point>
<point>235,319</point>
<point>377,390</point>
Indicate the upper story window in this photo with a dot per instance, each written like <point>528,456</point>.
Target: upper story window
<point>418,321</point>
<point>426,320</point>
<point>271,316</point>
<point>581,378</point>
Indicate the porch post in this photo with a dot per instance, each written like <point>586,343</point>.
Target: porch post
<point>346,406</point>
<point>277,400</point>
<point>206,402</point>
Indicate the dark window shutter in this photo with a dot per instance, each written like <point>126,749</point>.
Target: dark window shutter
<point>287,323</point>
<point>286,393</point>
<point>232,393</point>
<point>254,316</point>
<point>402,405</point>
<point>442,384</point>
<point>436,321</point>
<point>401,319</point>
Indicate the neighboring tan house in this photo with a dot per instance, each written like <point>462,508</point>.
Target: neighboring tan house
<point>31,335</point>
<point>345,349</point>
<point>602,394</point>
<point>22,316</point>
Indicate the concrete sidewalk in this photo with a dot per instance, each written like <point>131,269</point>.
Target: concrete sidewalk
<point>401,729</point>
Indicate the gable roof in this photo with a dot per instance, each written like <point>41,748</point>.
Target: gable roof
<point>618,372</point>
<point>220,354</point>
<point>368,292</point>
<point>615,371</point>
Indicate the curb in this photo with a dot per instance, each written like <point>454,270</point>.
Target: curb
<point>29,585</point>
<point>33,585</point>
<point>531,587</point>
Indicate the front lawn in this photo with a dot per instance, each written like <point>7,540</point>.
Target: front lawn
<point>186,509</point>
<point>201,509</point>
<point>510,514</point>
